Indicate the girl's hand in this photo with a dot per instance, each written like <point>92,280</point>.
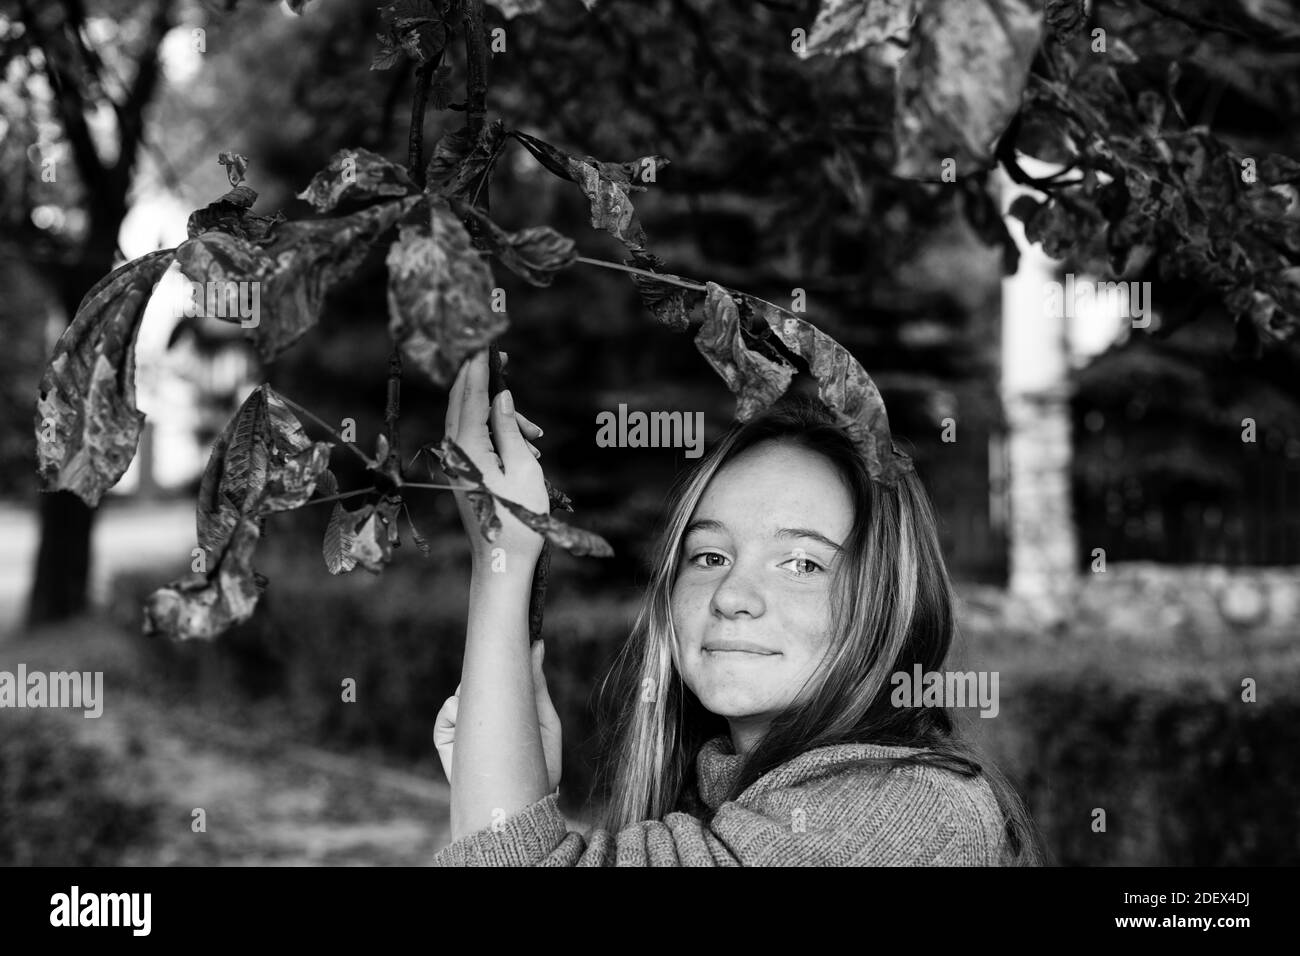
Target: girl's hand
<point>506,458</point>
<point>444,728</point>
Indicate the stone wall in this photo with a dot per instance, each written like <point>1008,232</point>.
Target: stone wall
<point>1202,604</point>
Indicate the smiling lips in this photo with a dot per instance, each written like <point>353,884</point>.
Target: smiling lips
<point>739,647</point>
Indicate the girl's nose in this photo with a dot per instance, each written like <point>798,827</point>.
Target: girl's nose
<point>736,594</point>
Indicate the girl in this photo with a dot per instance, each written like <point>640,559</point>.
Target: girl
<point>753,723</point>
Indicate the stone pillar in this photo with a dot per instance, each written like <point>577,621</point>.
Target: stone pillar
<point>1035,390</point>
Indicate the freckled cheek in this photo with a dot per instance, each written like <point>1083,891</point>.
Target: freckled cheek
<point>688,608</point>
<point>691,599</point>
<point>807,619</point>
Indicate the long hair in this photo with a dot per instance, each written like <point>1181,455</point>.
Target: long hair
<point>892,606</point>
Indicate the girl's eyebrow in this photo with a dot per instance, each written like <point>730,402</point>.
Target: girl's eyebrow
<point>709,524</point>
<point>808,533</point>
<point>703,524</point>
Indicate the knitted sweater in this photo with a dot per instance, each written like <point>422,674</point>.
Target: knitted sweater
<point>820,809</point>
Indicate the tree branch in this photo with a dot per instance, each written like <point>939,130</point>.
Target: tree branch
<point>71,105</point>
<point>415,138</point>
<point>143,86</point>
<point>392,465</point>
<point>664,277</point>
<point>476,62</point>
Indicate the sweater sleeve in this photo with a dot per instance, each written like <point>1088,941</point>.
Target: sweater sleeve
<point>908,816</point>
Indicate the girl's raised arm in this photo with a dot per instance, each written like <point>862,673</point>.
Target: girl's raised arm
<point>498,765</point>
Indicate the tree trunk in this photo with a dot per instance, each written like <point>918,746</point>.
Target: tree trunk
<point>60,589</point>
<point>61,584</point>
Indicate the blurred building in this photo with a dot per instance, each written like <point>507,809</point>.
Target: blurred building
<point>191,375</point>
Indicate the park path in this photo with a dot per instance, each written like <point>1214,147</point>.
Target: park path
<point>267,799</point>
<point>128,535</point>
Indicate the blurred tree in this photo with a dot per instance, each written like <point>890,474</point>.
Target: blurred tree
<point>69,70</point>
<point>787,175</point>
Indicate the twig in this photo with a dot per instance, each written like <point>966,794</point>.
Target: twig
<point>476,62</point>
<point>475,69</point>
<point>415,137</point>
<point>392,410</point>
<point>659,276</point>
<point>370,462</point>
<point>415,167</point>
<point>346,494</point>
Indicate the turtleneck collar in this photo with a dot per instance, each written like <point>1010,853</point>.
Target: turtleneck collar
<point>716,767</point>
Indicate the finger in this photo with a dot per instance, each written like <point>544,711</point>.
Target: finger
<point>530,428</point>
<point>536,654</point>
<point>473,412</point>
<point>444,727</point>
<point>455,398</point>
<point>542,693</point>
<point>506,439</point>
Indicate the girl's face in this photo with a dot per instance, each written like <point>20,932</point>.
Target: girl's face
<point>751,603</point>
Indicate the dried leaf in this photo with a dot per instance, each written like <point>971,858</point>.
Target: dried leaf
<point>844,26</point>
<point>757,380</point>
<point>961,82</point>
<point>387,55</point>
<point>87,394</point>
<point>611,207</point>
<point>375,534</point>
<point>557,498</point>
<point>415,27</point>
<point>230,214</point>
<point>222,257</point>
<point>458,465</point>
<point>448,153</point>
<point>843,386</point>
<point>337,546</point>
<point>453,460</point>
<point>327,486</point>
<point>235,475</point>
<point>571,538</point>
<point>606,186</point>
<point>420,541</point>
<point>1065,17</point>
<point>308,258</point>
<point>485,513</point>
<point>536,253</point>
<point>236,166</point>
<point>670,304</point>
<point>262,463</point>
<point>455,168</point>
<point>356,174</point>
<point>440,295</point>
<point>206,605</point>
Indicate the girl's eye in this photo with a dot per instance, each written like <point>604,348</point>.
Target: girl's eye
<point>695,559</point>
<point>812,566</point>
